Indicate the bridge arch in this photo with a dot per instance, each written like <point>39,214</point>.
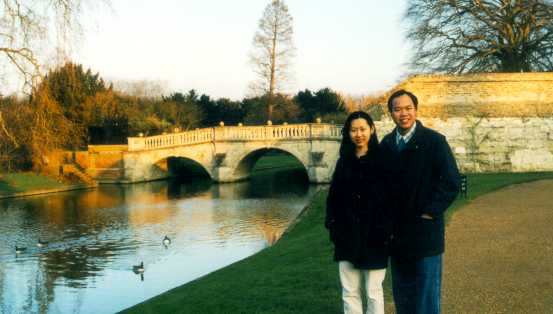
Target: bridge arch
<point>229,153</point>
<point>179,164</point>
<point>247,161</point>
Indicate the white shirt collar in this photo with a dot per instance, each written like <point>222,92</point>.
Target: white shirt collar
<point>407,135</point>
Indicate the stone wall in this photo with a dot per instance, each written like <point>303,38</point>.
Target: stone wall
<point>494,122</point>
<point>488,94</point>
<point>494,144</point>
<point>103,162</point>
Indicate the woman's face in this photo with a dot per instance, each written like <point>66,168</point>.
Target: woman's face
<point>360,133</point>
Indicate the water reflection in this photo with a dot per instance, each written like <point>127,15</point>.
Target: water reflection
<point>95,237</point>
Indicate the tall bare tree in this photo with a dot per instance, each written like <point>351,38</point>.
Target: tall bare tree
<point>460,36</point>
<point>273,51</point>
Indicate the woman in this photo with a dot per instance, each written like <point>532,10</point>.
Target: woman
<point>357,224</point>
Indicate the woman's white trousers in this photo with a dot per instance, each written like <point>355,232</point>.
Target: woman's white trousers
<point>352,279</point>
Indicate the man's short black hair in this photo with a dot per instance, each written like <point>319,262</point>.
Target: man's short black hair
<point>402,92</point>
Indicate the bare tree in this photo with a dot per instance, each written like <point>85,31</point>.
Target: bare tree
<point>273,51</point>
<point>142,88</point>
<point>460,36</point>
<point>26,26</point>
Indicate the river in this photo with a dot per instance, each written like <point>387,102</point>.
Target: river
<point>95,237</point>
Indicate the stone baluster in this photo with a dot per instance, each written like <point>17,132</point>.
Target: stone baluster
<point>266,132</point>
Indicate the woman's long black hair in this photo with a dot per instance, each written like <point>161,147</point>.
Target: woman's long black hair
<point>347,147</point>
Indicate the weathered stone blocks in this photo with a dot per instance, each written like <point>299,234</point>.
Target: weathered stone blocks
<point>497,144</point>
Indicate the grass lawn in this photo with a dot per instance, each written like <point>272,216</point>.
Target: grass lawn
<point>297,274</point>
<point>25,182</point>
<point>276,161</point>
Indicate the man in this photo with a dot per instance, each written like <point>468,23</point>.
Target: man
<point>424,180</point>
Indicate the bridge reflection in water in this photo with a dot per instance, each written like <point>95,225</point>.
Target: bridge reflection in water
<point>96,236</point>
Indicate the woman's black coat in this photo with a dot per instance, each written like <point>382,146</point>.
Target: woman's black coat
<point>358,223</point>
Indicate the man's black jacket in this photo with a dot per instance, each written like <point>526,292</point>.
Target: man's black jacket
<point>423,179</point>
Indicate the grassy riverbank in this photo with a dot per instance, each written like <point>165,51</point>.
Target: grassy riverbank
<point>296,275</point>
<point>21,182</point>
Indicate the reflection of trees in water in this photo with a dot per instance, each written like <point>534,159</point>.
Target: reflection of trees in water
<point>187,187</point>
<point>44,294</point>
<point>78,207</point>
<point>271,225</point>
<point>2,275</point>
<point>259,205</point>
<point>66,220</point>
<point>37,285</point>
<point>59,218</point>
<point>74,266</point>
<point>28,308</point>
<point>161,191</point>
<point>294,181</point>
<point>247,223</point>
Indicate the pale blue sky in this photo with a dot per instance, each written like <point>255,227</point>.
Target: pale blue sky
<point>353,46</point>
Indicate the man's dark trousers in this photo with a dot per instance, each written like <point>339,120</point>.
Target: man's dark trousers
<point>417,285</point>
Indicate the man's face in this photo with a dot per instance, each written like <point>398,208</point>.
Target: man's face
<point>403,113</point>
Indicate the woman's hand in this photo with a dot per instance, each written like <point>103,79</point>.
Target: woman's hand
<point>426,216</point>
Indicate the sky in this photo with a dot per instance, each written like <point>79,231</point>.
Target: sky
<point>356,47</point>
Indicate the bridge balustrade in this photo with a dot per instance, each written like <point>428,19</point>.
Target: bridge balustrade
<point>324,131</point>
<point>236,133</point>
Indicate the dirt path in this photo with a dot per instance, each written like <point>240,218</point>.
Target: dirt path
<point>499,253</point>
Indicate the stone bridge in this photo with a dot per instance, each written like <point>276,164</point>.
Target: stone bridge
<point>228,153</point>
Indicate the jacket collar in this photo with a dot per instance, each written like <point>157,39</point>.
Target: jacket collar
<point>414,143</point>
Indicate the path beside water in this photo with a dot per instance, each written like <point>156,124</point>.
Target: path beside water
<point>499,253</point>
